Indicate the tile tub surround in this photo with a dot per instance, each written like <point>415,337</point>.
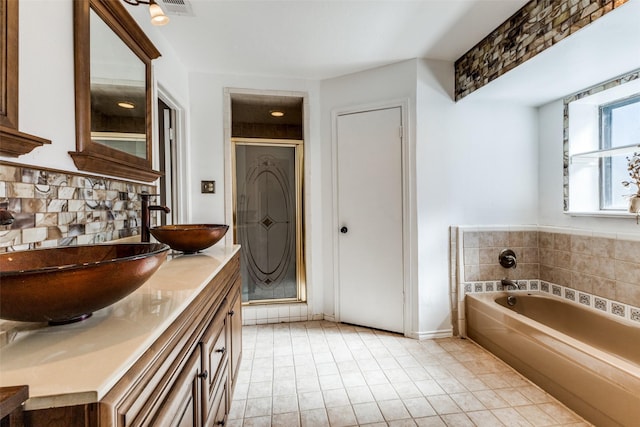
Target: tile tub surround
<point>58,208</point>
<point>600,270</point>
<point>538,25</point>
<point>480,250</point>
<point>322,373</point>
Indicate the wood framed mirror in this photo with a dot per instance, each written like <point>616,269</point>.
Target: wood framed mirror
<point>13,143</point>
<point>113,91</point>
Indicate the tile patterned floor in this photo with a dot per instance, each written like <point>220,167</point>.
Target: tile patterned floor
<point>329,374</point>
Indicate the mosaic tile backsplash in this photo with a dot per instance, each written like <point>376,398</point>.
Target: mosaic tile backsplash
<point>538,25</point>
<point>600,272</point>
<point>56,208</point>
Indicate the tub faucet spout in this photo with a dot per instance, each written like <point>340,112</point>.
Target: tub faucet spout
<point>506,284</point>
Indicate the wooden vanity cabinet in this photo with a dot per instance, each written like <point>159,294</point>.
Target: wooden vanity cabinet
<point>183,379</point>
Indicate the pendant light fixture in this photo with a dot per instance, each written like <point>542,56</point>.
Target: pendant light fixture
<point>157,14</point>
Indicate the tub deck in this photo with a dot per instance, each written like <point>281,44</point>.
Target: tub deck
<point>588,377</point>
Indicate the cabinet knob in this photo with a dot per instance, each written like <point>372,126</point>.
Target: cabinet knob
<point>220,423</point>
<point>232,312</point>
<point>203,375</point>
<point>221,350</point>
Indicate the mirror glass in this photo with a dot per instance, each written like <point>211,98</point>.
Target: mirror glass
<point>118,92</point>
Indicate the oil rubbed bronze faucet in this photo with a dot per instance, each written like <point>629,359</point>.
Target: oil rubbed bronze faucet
<point>506,284</point>
<point>145,235</point>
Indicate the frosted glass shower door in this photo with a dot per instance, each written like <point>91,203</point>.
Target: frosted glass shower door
<point>268,220</point>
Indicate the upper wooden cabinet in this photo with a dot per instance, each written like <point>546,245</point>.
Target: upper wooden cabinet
<point>113,91</point>
<point>13,143</point>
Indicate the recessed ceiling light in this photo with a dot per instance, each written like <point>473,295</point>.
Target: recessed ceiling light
<point>126,104</point>
<point>276,113</point>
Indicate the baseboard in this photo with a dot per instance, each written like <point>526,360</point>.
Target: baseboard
<point>429,335</point>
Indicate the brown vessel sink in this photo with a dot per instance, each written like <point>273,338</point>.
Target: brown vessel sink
<point>189,238</point>
<point>66,284</point>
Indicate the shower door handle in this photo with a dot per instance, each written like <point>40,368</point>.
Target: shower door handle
<point>344,230</point>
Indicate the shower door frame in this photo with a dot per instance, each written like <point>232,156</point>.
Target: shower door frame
<point>298,146</point>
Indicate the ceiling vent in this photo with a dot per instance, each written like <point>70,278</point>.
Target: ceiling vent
<point>176,7</point>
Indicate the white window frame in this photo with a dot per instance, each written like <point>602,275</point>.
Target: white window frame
<point>585,153</point>
<point>611,187</point>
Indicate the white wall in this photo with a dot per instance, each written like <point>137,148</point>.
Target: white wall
<point>472,163</point>
<point>551,178</point>
<point>476,165</point>
<point>46,79</point>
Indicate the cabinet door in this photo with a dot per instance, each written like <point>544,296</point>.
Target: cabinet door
<point>181,406</point>
<point>220,404</point>
<point>235,334</point>
<point>214,358</point>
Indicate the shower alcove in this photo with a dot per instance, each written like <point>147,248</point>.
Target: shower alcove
<point>267,147</point>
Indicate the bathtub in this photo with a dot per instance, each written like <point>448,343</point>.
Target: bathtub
<point>588,361</point>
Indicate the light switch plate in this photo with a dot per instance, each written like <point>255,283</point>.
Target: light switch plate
<point>208,187</point>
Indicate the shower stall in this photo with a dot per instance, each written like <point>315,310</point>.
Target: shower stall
<point>268,218</point>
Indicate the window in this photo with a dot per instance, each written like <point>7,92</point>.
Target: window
<point>602,128</point>
<point>620,132</point>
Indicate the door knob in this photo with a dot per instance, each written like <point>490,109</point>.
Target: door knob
<point>344,230</point>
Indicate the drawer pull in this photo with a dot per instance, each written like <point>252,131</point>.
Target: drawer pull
<point>221,350</point>
<point>203,375</point>
<point>220,423</point>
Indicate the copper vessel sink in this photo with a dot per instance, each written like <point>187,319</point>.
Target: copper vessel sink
<point>189,238</point>
<point>66,284</point>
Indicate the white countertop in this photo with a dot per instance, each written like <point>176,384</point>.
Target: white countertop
<point>80,362</point>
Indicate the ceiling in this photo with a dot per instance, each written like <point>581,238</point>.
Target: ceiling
<point>319,39</point>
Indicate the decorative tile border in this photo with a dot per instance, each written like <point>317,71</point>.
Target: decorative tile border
<point>610,307</point>
<point>496,286</point>
<point>57,208</point>
<point>538,25</point>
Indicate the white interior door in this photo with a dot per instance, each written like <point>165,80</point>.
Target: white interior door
<point>370,242</point>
